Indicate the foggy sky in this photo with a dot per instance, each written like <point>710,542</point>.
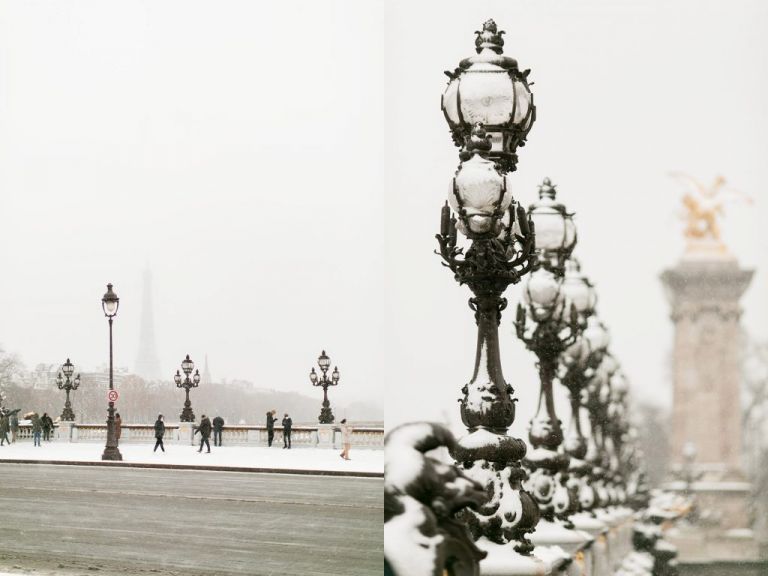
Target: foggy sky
<point>280,166</point>
<point>232,148</point>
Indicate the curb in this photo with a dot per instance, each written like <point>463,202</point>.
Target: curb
<point>338,473</point>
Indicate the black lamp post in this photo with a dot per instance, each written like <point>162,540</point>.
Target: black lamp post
<point>187,415</point>
<point>489,108</point>
<point>549,324</point>
<point>110,303</point>
<point>326,415</point>
<point>65,382</point>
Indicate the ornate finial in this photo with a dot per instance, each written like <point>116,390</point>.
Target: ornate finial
<point>547,189</point>
<point>489,38</point>
<point>479,142</point>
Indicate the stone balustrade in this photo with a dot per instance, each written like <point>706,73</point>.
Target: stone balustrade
<point>301,436</point>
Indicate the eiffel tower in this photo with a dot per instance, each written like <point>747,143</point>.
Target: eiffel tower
<point>147,362</point>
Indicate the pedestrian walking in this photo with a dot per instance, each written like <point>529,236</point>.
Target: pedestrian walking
<point>218,426</point>
<point>271,427</point>
<point>346,434</point>
<point>37,428</point>
<point>118,427</point>
<point>287,423</point>
<point>159,433</point>
<point>5,426</point>
<point>47,424</point>
<point>13,421</point>
<point>205,432</point>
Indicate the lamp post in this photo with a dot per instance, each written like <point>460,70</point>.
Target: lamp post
<point>110,303</point>
<point>577,365</point>
<point>489,109</point>
<point>555,328</point>
<point>548,323</point>
<point>326,415</point>
<point>187,415</point>
<point>65,382</point>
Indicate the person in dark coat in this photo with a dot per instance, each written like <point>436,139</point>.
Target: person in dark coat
<point>205,432</point>
<point>37,428</point>
<point>218,426</point>
<point>5,426</point>
<point>287,423</point>
<point>270,427</point>
<point>118,427</point>
<point>159,433</point>
<point>47,423</point>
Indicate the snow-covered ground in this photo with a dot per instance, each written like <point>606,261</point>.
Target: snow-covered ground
<point>225,456</point>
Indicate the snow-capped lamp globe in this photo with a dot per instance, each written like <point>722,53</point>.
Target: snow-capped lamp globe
<point>578,290</point>
<point>555,230</point>
<point>479,192</point>
<point>597,337</point>
<point>490,89</point>
<point>542,294</point>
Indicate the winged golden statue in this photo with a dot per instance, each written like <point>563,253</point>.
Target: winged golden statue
<point>704,208</point>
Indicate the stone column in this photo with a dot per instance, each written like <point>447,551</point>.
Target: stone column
<point>325,436</point>
<point>704,294</point>
<point>704,290</point>
<point>186,433</point>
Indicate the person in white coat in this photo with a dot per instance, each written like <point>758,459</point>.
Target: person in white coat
<point>346,433</point>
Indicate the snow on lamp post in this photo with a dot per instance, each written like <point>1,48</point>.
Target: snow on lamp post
<point>109,304</point>
<point>64,381</point>
<point>548,325</point>
<point>577,365</point>
<point>489,109</point>
<point>489,89</point>
<point>324,362</point>
<point>187,415</point>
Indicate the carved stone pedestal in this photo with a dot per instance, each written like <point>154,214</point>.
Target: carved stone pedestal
<point>704,290</point>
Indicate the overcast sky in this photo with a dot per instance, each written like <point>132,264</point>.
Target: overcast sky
<point>235,147</point>
<point>280,166</point>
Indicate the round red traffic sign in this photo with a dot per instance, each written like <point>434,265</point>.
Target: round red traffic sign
<point>112,396</point>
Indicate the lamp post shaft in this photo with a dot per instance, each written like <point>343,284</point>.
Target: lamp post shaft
<point>111,451</point>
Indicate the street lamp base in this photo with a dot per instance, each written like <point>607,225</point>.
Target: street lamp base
<point>111,453</point>
<point>326,415</point>
<point>68,415</point>
<point>187,415</point>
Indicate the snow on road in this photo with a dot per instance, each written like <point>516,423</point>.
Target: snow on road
<point>225,456</point>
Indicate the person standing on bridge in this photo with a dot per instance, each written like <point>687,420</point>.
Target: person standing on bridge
<point>37,428</point>
<point>287,424</point>
<point>159,433</point>
<point>47,423</point>
<point>205,433</point>
<point>118,427</point>
<point>4,427</point>
<point>270,427</point>
<point>218,426</point>
<point>346,434</point>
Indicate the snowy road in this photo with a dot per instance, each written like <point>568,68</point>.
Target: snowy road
<point>73,520</point>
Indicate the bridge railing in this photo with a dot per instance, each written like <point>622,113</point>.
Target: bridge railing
<point>238,435</point>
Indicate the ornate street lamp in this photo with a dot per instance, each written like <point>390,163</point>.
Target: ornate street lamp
<point>187,415</point>
<point>489,109</point>
<point>555,230</point>
<point>577,366</point>
<point>326,415</point>
<point>65,382</point>
<point>489,89</point>
<point>110,303</point>
<point>555,328</point>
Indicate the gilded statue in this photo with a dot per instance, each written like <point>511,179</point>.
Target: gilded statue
<point>704,207</point>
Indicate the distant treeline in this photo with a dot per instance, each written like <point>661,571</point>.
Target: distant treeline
<point>140,402</point>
